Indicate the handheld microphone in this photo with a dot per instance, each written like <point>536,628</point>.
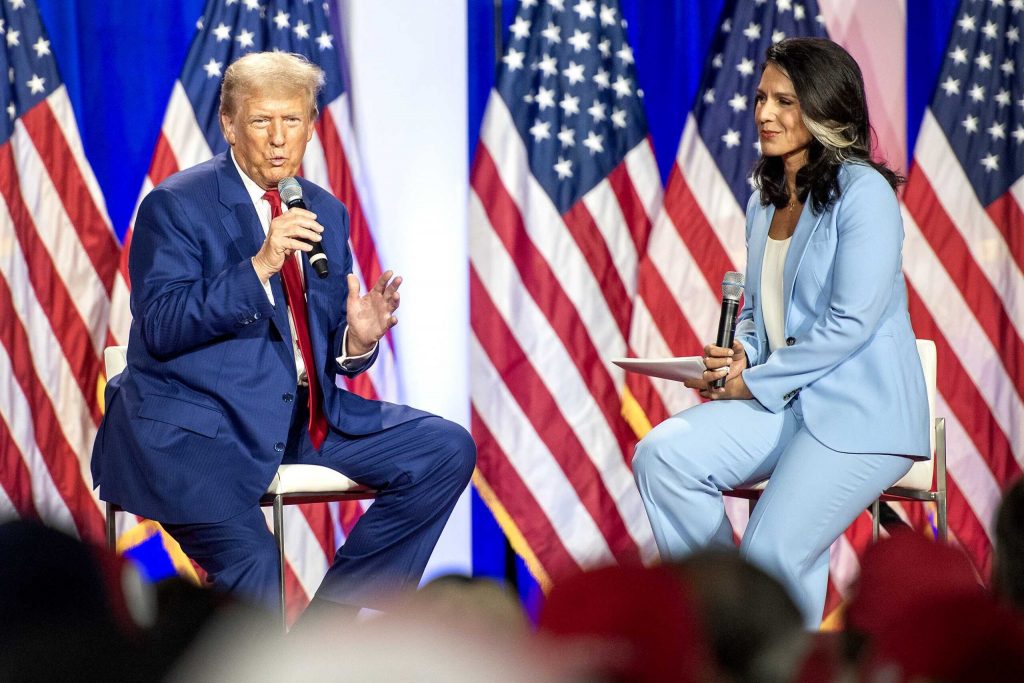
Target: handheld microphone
<point>732,288</point>
<point>291,195</point>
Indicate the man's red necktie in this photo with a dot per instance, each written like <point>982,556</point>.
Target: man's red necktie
<point>296,299</point>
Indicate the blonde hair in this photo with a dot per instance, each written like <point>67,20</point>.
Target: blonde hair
<point>270,72</point>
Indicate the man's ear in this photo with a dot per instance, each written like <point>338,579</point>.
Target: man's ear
<point>227,128</point>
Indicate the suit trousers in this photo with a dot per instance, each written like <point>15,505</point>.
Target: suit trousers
<point>419,469</point>
<point>685,463</point>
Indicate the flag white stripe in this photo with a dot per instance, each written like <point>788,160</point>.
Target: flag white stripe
<point>984,241</point>
<point>74,416</point>
<point>182,131</point>
<point>555,367</point>
<point>604,208</point>
<point>684,280</point>
<point>649,343</point>
<point>642,168</point>
<point>7,509</point>
<point>60,106</point>
<point>533,462</point>
<point>57,234</point>
<point>342,117</point>
<point>17,413</point>
<point>712,193</point>
<point>843,565</point>
<point>382,373</point>
<point>1017,192</point>
<point>967,467</point>
<point>977,355</point>
<point>314,163</point>
<point>539,214</point>
<point>302,551</point>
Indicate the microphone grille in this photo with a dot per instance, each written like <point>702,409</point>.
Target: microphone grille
<point>732,285</point>
<point>290,190</point>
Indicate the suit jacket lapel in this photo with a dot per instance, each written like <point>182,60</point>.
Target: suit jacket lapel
<point>758,239</point>
<point>243,229</point>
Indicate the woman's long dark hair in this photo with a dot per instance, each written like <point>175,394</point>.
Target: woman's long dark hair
<point>830,88</point>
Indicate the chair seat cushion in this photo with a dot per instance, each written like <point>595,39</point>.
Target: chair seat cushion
<point>310,479</point>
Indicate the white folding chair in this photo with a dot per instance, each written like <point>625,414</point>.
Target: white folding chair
<point>291,485</point>
<point>926,480</point>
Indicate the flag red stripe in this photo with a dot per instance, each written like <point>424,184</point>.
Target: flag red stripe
<point>964,398</point>
<point>969,531</point>
<point>1006,214</point>
<point>15,478</point>
<point>591,244</point>
<point>164,162</point>
<point>344,188</point>
<point>529,391</point>
<point>60,458</point>
<point>519,502</point>
<point>671,321</point>
<point>542,285</point>
<point>364,250</point>
<point>51,292</point>
<point>695,231</point>
<point>349,512</point>
<point>295,599</point>
<point>93,232</point>
<point>319,519</point>
<point>362,384</point>
<point>633,209</point>
<point>951,249</point>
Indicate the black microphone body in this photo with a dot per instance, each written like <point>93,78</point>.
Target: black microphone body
<point>291,195</point>
<point>732,287</point>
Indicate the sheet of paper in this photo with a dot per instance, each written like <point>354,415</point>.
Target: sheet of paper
<point>678,369</point>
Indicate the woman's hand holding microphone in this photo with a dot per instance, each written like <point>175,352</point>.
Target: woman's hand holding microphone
<point>721,362</point>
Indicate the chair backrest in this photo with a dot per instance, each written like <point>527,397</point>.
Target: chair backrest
<point>115,360</point>
<point>921,474</point>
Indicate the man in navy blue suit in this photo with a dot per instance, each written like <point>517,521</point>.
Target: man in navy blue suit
<point>234,350</point>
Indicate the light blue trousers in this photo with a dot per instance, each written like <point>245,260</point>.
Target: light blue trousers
<point>684,464</point>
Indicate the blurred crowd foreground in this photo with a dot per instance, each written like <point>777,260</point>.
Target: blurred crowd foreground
<point>69,611</point>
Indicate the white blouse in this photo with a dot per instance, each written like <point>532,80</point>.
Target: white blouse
<point>771,291</point>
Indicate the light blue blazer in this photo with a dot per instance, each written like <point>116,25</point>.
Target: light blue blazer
<point>850,353</point>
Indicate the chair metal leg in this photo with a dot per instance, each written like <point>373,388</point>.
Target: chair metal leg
<point>876,511</point>
<point>111,528</point>
<point>940,508</point>
<point>279,536</point>
<point>940,478</point>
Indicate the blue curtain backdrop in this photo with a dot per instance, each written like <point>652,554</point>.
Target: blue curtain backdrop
<point>119,61</point>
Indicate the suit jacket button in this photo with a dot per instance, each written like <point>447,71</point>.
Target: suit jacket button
<point>790,341</point>
<point>287,398</point>
<point>279,447</point>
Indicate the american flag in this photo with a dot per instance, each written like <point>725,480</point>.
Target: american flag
<point>564,188</point>
<point>700,233</point>
<point>964,256</point>
<point>58,260</point>
<point>191,134</point>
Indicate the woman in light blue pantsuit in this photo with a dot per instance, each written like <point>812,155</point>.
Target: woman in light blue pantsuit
<point>824,390</point>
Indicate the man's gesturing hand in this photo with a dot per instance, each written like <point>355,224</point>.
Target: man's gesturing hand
<point>294,230</point>
<point>371,315</point>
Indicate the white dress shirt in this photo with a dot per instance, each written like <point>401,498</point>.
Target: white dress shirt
<point>263,211</point>
<point>771,291</point>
